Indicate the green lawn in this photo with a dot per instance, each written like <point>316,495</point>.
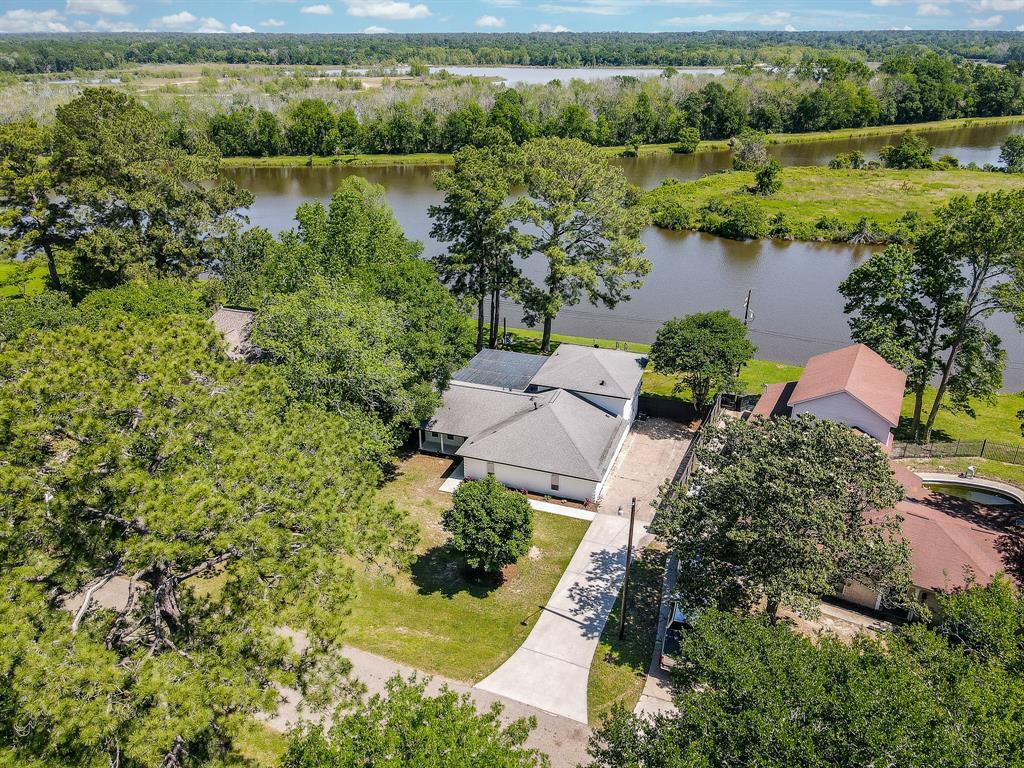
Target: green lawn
<point>258,747</point>
<point>436,619</point>
<point>994,470</point>
<point>22,278</point>
<point>995,421</point>
<point>619,670</point>
<point>811,193</point>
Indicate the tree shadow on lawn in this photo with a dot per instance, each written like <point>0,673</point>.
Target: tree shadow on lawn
<point>903,432</point>
<point>441,570</point>
<point>642,613</point>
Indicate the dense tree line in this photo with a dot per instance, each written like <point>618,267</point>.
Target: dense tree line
<point>819,93</point>
<point>61,53</point>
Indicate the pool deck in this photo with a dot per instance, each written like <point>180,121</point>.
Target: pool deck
<point>980,484</point>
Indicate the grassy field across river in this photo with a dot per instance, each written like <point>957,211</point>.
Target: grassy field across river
<point>815,203</point>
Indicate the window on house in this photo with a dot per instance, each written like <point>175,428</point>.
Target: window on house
<point>450,437</point>
<point>554,482</point>
<point>490,467</point>
<point>434,434</point>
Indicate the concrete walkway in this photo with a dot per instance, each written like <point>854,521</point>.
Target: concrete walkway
<point>551,669</point>
<point>458,476</point>
<point>657,694</point>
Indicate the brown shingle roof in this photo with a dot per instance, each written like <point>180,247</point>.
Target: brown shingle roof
<point>775,400</point>
<point>859,371</point>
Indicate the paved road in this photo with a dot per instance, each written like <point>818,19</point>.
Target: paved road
<point>551,669</point>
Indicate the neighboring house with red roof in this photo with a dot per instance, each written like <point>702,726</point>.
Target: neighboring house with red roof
<point>853,385</point>
<point>950,538</point>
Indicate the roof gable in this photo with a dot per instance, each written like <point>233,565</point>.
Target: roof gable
<point>858,371</point>
<point>611,372</point>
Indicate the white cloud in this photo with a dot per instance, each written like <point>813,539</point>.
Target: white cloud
<point>175,20</point>
<point>239,28</point>
<point>24,20</point>
<point>503,3</point>
<point>272,23</point>
<point>317,10</point>
<point>1001,5</point>
<point>550,28</point>
<point>711,20</point>
<point>991,21</point>
<point>104,7</point>
<point>931,9</point>
<point>375,30</point>
<point>789,28</point>
<point>490,22</point>
<point>210,25</point>
<point>774,19</point>
<point>387,9</point>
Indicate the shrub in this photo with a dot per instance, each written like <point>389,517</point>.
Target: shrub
<point>738,219</point>
<point>912,152</point>
<point>689,139</point>
<point>766,180</point>
<point>490,525</point>
<point>749,151</point>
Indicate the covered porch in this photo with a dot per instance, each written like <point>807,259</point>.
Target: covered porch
<point>439,442</point>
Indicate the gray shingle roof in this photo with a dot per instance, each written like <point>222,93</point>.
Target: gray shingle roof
<point>611,372</point>
<point>467,409</point>
<point>564,435</point>
<point>234,325</point>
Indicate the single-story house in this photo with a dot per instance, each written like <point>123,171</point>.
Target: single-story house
<point>550,425</point>
<point>853,385</point>
<point>950,540</point>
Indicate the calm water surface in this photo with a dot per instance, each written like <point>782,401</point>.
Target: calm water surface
<point>797,310</point>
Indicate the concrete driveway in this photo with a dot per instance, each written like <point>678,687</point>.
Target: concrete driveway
<point>551,669</point>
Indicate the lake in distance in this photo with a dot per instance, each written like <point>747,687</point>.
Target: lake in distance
<point>797,309</point>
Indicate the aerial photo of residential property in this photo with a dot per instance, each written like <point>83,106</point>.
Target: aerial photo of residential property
<point>511,384</point>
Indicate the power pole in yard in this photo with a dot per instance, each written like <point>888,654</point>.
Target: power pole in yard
<point>747,317</point>
<point>629,562</point>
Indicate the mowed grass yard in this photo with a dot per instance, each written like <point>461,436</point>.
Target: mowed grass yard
<point>810,193</point>
<point>434,617</point>
<point>993,470</point>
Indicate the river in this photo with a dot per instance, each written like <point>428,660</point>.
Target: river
<point>797,310</point>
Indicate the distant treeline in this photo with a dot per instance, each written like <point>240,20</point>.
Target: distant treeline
<point>41,53</point>
<point>821,94</point>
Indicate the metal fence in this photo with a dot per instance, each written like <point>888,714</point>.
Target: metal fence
<point>984,449</point>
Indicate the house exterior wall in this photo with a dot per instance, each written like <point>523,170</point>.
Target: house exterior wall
<point>846,409</point>
<point>615,405</point>
<point>432,442</point>
<point>533,480</point>
<point>859,594</point>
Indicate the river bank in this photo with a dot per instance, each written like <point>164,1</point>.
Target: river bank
<point>778,139</point>
<point>817,203</point>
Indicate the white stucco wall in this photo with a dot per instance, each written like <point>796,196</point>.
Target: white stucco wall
<point>615,405</point>
<point>533,480</point>
<point>848,410</point>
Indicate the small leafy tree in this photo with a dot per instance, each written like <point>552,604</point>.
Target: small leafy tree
<point>766,179</point>
<point>406,728</point>
<point>749,150</point>
<point>848,160</point>
<point>1011,154</point>
<point>490,525</point>
<point>689,140</point>
<point>705,350</point>
<point>777,512</point>
<point>912,152</point>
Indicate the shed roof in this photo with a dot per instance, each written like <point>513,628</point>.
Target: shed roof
<point>859,371</point>
<point>611,372</point>
<point>501,368</point>
<point>564,435</point>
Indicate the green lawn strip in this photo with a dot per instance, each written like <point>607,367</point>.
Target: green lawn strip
<point>993,470</point>
<point>259,746</point>
<point>809,194</point>
<point>996,421</point>
<point>18,279</point>
<point>437,619</point>
<point>620,667</point>
<point>716,145</point>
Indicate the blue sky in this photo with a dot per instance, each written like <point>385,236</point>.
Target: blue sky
<point>370,16</point>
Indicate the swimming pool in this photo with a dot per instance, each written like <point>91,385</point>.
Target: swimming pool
<point>980,495</point>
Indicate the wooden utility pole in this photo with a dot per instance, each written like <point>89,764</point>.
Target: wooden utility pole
<point>629,562</point>
<point>747,317</point>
